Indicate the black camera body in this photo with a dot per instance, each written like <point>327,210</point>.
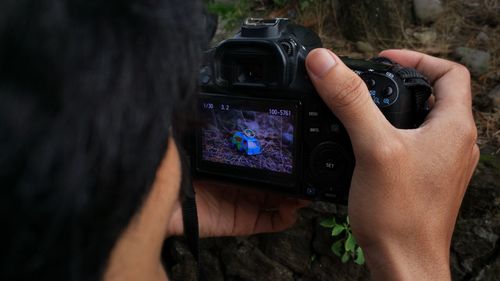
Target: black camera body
<point>265,125</point>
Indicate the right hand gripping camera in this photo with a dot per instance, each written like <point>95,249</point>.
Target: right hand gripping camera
<point>265,125</point>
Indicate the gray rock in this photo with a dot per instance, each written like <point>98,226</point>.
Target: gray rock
<point>477,61</point>
<point>476,231</point>
<point>490,272</point>
<point>364,47</point>
<point>185,266</point>
<point>323,207</point>
<point>494,95</point>
<point>489,236</point>
<point>457,272</point>
<point>482,102</point>
<point>291,248</point>
<point>482,37</point>
<point>243,261</point>
<point>427,11</point>
<point>211,267</point>
<point>329,268</point>
<point>426,37</point>
<point>183,271</point>
<point>180,251</point>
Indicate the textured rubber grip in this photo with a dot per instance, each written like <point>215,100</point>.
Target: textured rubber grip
<point>419,85</point>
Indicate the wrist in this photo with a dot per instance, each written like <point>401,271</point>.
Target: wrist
<point>175,224</point>
<point>394,261</point>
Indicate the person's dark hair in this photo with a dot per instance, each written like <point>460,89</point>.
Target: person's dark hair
<point>88,90</point>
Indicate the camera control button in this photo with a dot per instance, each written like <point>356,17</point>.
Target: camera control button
<point>334,128</point>
<point>327,159</point>
<point>313,114</point>
<point>204,79</point>
<point>388,91</point>
<point>370,83</point>
<point>311,191</point>
<point>314,130</point>
<point>329,165</point>
<point>328,162</point>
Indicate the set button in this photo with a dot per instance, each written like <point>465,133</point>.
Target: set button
<point>327,159</point>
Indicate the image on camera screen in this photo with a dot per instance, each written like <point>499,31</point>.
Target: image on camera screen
<point>248,134</point>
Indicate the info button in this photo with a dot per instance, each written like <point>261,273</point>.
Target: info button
<point>314,130</point>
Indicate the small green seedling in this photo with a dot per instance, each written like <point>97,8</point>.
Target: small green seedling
<point>345,247</point>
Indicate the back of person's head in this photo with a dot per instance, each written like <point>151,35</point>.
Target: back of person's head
<point>87,96</point>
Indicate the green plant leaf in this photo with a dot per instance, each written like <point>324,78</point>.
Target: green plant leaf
<point>345,257</point>
<point>350,243</point>
<point>360,257</point>
<point>337,229</point>
<point>304,4</point>
<point>347,219</point>
<point>221,9</point>
<point>337,248</point>
<point>328,223</point>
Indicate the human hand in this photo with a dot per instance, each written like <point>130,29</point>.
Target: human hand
<point>407,185</point>
<point>226,210</point>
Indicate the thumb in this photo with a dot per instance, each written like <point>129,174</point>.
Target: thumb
<point>347,96</point>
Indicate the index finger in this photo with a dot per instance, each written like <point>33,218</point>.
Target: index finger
<point>432,67</point>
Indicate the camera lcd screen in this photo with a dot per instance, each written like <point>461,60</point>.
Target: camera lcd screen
<point>248,134</point>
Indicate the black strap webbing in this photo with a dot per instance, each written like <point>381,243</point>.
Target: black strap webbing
<point>421,89</point>
<point>190,213</point>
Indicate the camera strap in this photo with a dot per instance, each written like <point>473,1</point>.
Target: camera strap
<point>421,88</point>
<point>418,84</point>
<point>190,213</point>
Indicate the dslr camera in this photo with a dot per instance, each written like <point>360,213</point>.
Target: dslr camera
<point>265,126</point>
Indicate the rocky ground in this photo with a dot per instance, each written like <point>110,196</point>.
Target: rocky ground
<point>465,31</point>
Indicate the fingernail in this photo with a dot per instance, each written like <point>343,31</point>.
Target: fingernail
<point>321,62</point>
